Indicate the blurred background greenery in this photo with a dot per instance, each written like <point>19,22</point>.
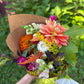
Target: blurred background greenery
<point>68,13</point>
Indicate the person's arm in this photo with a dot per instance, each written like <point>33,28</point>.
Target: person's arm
<point>27,79</point>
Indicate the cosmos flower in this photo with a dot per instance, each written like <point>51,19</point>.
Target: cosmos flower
<point>56,30</point>
<point>66,81</point>
<point>42,47</point>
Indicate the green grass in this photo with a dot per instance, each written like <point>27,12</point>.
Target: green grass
<point>11,73</point>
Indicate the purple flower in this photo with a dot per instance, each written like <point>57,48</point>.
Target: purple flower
<point>53,17</point>
<point>33,66</point>
<point>21,59</point>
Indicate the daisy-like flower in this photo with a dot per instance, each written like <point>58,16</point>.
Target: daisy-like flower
<point>55,29</point>
<point>42,47</point>
<point>66,81</point>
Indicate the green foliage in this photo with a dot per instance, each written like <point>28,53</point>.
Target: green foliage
<point>69,12</point>
<point>70,56</point>
<point>3,60</point>
<point>30,6</point>
<point>28,50</point>
<point>75,31</point>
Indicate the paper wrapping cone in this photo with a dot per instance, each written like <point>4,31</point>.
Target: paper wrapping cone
<point>15,23</point>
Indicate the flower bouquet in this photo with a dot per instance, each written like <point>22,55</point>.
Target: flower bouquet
<point>43,46</point>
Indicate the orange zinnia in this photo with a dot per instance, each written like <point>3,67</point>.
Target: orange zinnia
<point>25,42</point>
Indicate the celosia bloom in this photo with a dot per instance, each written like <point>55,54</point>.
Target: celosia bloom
<point>21,59</point>
<point>53,17</point>
<point>33,66</point>
<point>56,30</point>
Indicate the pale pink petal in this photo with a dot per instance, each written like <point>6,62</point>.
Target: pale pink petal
<point>45,27</point>
<point>44,32</point>
<point>35,39</point>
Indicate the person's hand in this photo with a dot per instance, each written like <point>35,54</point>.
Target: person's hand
<point>27,79</point>
<point>1,1</point>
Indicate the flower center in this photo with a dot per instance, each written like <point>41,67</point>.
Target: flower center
<point>42,45</point>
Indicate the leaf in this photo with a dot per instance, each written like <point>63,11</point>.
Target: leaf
<point>35,51</point>
<point>4,60</point>
<point>81,3</point>
<point>68,7</point>
<point>75,31</point>
<point>25,52</point>
<point>74,47</point>
<point>10,11</point>
<point>68,1</point>
<point>57,10</point>
<point>70,56</point>
<point>79,18</point>
<point>28,49</point>
<point>81,12</point>
<point>32,46</point>
<point>18,53</point>
<point>8,6</point>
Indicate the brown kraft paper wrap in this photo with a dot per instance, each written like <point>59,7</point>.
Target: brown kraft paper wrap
<point>15,23</point>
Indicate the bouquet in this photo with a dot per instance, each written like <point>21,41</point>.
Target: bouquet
<point>43,46</point>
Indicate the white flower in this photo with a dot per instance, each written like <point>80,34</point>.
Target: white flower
<point>36,26</point>
<point>50,66</point>
<point>41,47</point>
<point>66,81</point>
<point>40,61</point>
<point>44,74</point>
<point>44,55</point>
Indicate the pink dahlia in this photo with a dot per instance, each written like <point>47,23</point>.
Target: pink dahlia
<point>55,29</point>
